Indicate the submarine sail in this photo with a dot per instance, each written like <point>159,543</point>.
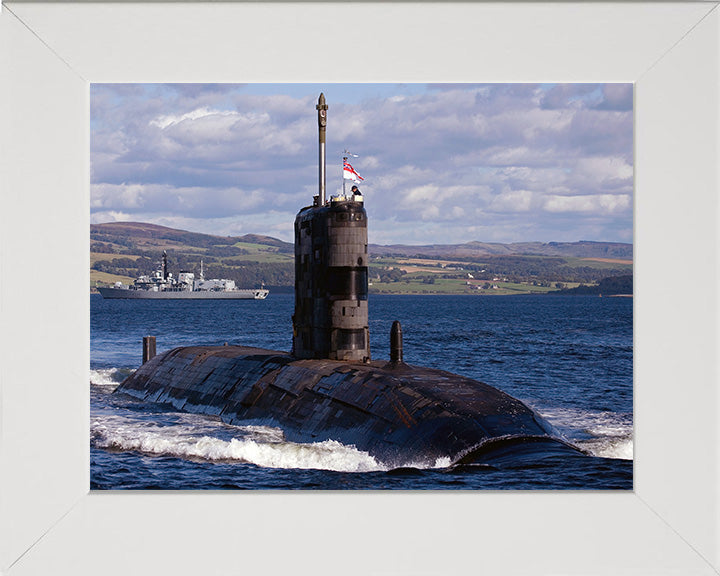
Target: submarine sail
<point>331,282</point>
<point>328,387</point>
<point>331,272</point>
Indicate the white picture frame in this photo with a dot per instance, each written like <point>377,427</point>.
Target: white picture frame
<point>51,523</point>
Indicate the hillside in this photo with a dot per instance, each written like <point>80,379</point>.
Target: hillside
<point>583,249</point>
<point>614,286</point>
<point>139,234</point>
<point>121,251</point>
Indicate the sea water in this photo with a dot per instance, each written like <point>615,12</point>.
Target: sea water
<point>567,357</point>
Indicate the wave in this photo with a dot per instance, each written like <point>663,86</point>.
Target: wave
<point>264,446</point>
<point>604,434</point>
<point>261,445</point>
<point>109,377</point>
<point>620,448</point>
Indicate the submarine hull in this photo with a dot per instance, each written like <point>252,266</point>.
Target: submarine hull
<point>401,415</point>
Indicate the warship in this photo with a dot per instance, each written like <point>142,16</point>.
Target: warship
<point>162,285</point>
<point>328,387</point>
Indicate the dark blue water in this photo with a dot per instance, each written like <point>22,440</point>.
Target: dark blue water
<point>569,358</point>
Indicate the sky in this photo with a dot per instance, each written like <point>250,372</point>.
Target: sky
<point>442,163</point>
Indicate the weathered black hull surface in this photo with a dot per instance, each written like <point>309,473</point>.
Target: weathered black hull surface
<point>402,415</point>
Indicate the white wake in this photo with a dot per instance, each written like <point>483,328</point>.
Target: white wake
<point>259,445</point>
<point>604,434</point>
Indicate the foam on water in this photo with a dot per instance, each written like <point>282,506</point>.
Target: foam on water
<point>621,448</point>
<point>259,445</point>
<point>109,377</point>
<point>604,434</point>
<point>197,437</point>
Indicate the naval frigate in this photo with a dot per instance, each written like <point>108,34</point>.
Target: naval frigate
<point>162,285</point>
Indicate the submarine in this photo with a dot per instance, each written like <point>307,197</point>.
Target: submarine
<point>328,387</point>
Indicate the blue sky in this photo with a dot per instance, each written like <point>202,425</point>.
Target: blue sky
<point>447,163</point>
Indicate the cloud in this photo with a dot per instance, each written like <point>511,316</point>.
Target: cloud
<point>519,156</point>
<point>199,90</point>
<point>563,96</point>
<point>121,197</point>
<point>109,216</point>
<point>163,122</point>
<point>196,202</point>
<point>512,201</point>
<point>617,97</point>
<point>600,204</point>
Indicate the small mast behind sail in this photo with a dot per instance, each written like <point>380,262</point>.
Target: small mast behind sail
<point>349,173</point>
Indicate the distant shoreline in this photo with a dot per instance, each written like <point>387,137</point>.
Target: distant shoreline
<point>476,295</point>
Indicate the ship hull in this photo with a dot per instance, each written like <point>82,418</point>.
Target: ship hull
<point>128,293</point>
<point>401,415</point>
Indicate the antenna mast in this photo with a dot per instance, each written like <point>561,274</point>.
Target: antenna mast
<point>322,124</point>
<point>346,153</point>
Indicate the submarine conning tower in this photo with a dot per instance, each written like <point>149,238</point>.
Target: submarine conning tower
<point>331,273</point>
<point>331,282</point>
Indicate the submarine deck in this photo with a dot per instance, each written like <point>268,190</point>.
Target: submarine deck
<point>396,412</point>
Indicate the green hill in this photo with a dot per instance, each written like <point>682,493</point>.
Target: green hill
<point>582,249</point>
<point>612,286</point>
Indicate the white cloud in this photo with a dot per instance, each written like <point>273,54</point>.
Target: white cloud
<point>185,201</point>
<point>602,168</point>
<point>600,204</point>
<point>109,216</point>
<point>422,195</point>
<point>164,121</point>
<point>124,196</point>
<point>512,201</point>
<point>518,156</point>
